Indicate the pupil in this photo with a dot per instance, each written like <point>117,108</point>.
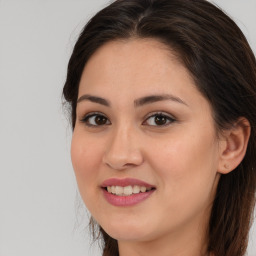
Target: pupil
<point>100,120</point>
<point>160,120</point>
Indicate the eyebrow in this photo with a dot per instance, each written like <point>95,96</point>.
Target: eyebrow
<point>155,98</point>
<point>94,99</point>
<point>137,103</point>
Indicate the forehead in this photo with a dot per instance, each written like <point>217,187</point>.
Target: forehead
<point>136,63</point>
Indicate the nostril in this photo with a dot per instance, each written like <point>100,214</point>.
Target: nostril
<point>122,154</point>
<point>119,164</point>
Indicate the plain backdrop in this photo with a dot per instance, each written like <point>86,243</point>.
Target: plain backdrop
<point>38,192</point>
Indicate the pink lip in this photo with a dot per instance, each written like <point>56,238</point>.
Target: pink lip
<point>126,200</point>
<point>125,182</point>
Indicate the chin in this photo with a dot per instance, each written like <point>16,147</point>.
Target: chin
<point>128,231</point>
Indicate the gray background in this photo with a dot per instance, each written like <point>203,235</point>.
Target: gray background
<point>37,187</point>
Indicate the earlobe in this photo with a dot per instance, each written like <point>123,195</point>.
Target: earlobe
<point>234,145</point>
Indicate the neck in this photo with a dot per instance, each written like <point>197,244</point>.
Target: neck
<point>162,247</point>
<point>189,241</point>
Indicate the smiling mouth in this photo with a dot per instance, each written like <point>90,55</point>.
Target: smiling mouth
<point>127,190</point>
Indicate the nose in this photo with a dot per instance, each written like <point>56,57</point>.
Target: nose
<point>123,150</point>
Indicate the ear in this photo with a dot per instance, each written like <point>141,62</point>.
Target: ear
<point>233,145</point>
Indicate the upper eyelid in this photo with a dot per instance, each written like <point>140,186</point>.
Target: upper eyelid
<point>90,114</point>
<point>149,115</point>
<point>159,113</point>
<point>87,116</point>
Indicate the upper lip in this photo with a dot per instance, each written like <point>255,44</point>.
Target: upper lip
<point>125,182</point>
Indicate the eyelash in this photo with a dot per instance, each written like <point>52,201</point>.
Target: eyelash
<point>85,120</point>
<point>169,119</point>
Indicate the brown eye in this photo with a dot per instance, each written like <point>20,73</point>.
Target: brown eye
<point>95,120</point>
<point>159,120</point>
<point>100,120</point>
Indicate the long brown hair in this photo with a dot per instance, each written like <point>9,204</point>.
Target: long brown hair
<point>219,58</point>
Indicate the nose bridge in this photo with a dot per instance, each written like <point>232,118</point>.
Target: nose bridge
<point>123,147</point>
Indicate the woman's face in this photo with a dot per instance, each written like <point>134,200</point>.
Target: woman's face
<point>143,125</point>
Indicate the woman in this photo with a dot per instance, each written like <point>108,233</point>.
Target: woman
<point>162,96</point>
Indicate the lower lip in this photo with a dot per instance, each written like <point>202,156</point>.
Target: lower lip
<point>126,200</point>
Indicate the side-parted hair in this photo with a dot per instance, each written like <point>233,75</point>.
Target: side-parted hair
<point>217,55</point>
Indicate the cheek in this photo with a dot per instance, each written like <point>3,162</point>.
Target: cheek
<point>187,166</point>
<point>86,161</point>
<point>187,180</point>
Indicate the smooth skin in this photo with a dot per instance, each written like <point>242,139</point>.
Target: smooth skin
<point>170,142</point>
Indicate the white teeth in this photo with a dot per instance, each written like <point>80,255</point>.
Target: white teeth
<point>127,191</point>
<point>143,189</point>
<point>113,189</point>
<point>119,190</point>
<point>136,189</point>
